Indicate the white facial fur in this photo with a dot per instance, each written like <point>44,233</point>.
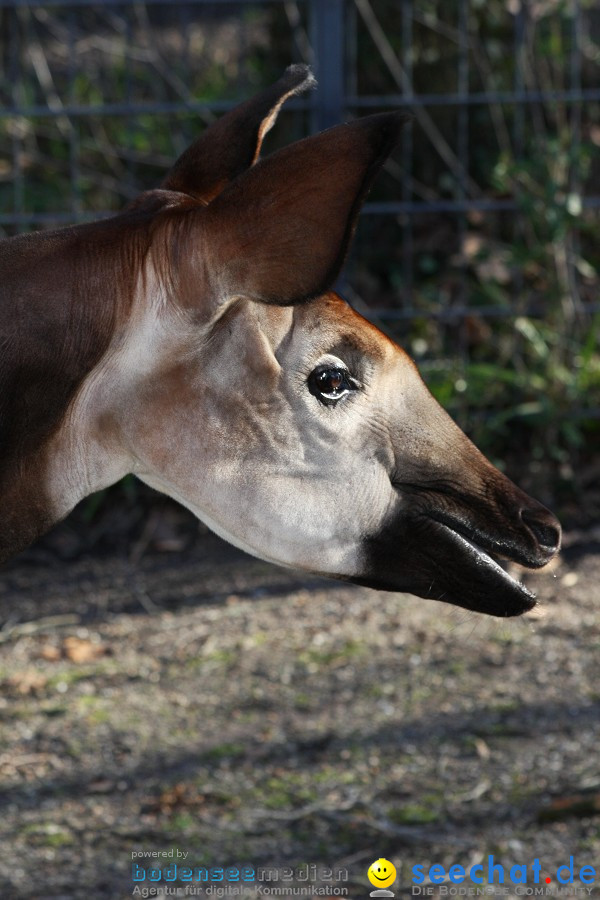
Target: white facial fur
<point>223,422</point>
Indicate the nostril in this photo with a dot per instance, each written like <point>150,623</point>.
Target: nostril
<point>544,527</point>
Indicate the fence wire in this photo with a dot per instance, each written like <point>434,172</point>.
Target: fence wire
<point>96,99</point>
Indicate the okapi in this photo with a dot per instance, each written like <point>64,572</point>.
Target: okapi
<point>194,340</point>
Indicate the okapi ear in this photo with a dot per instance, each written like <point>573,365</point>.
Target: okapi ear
<point>279,234</point>
<point>232,144</point>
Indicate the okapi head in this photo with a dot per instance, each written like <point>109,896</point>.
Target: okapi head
<point>194,340</point>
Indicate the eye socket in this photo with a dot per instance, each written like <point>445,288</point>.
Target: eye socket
<point>330,383</point>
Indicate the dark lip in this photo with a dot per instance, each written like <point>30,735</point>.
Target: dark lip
<point>510,597</point>
<point>441,544</point>
<point>515,541</point>
<point>494,547</point>
<point>443,565</point>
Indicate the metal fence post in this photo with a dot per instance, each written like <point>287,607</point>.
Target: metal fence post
<point>327,30</point>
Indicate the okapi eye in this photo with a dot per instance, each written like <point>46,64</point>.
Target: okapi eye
<point>330,383</point>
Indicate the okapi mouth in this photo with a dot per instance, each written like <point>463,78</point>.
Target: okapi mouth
<point>516,598</point>
<point>449,549</point>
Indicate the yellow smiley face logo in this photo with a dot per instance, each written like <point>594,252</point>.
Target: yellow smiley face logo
<point>381,873</point>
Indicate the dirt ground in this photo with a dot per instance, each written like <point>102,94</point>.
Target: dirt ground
<point>172,694</point>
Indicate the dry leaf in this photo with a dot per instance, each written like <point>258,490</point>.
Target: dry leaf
<point>81,650</point>
<point>28,682</point>
<point>50,653</point>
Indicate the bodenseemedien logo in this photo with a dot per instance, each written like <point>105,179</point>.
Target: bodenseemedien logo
<point>308,880</point>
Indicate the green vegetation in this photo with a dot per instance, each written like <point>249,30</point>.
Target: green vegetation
<point>47,834</point>
<point>422,813</point>
<point>521,370</point>
<point>226,751</point>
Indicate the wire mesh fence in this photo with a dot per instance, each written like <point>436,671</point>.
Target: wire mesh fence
<point>482,230</point>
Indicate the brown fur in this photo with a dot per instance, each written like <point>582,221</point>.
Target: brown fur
<point>233,143</point>
<point>181,341</point>
<point>65,294</point>
<point>62,296</point>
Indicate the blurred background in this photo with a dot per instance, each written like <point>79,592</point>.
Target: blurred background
<point>159,689</point>
<point>479,248</point>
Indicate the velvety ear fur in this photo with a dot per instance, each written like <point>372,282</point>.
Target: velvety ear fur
<point>232,144</point>
<point>279,233</point>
